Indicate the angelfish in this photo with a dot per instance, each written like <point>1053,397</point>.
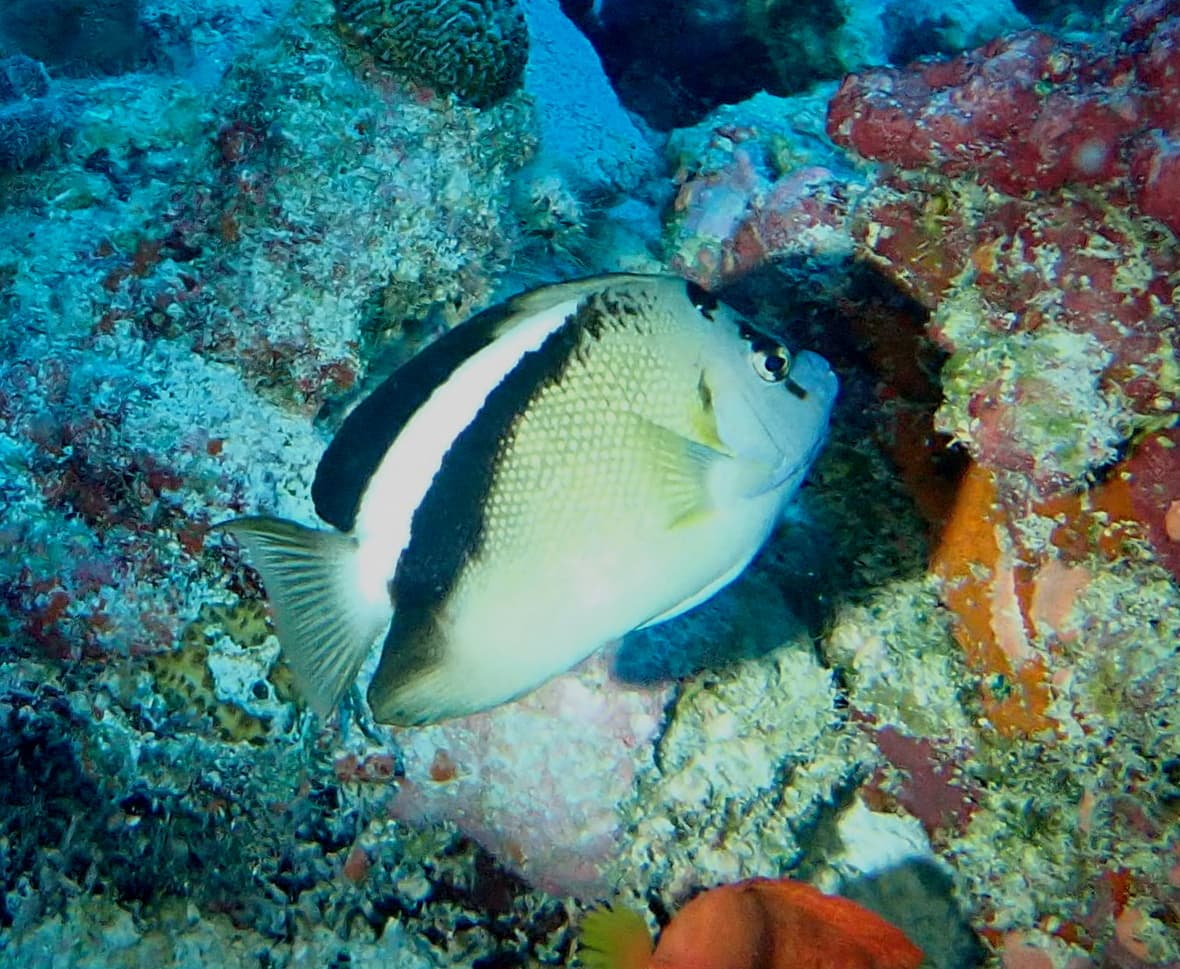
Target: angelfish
<point>580,461</point>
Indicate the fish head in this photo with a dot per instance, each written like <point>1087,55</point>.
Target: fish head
<point>771,405</point>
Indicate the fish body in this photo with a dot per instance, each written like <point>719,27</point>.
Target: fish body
<point>760,923</point>
<point>583,460</point>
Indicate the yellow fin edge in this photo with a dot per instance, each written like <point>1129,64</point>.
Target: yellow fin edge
<point>614,938</point>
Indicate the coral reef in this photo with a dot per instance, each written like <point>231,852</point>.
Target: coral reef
<point>757,182</point>
<point>225,670</point>
<point>550,211</point>
<point>590,153</point>
<point>675,63</point>
<point>827,38</point>
<point>32,123</point>
<point>476,49</point>
<point>1014,214</point>
<point>97,933</point>
<point>1022,317</point>
<point>183,288</point>
<point>22,77</point>
<point>110,807</point>
<point>79,37</point>
<point>1032,113</point>
<point>587,140</point>
<point>748,811</point>
<point>1057,308</point>
<point>948,685</point>
<point>538,783</point>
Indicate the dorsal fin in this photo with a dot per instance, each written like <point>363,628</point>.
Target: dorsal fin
<point>367,433</point>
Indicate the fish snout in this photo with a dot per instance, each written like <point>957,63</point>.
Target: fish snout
<point>811,374</point>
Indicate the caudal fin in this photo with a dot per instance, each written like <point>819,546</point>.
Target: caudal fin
<point>325,626</point>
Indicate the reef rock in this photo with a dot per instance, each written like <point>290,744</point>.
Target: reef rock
<point>585,133</point>
<point>1014,216</point>
<point>32,123</point>
<point>539,782</point>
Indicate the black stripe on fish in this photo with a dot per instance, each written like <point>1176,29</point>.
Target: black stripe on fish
<point>372,427</point>
<point>702,299</point>
<point>447,529</point>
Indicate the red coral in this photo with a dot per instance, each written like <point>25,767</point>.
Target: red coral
<point>933,790</point>
<point>1031,113</point>
<point>1153,472</point>
<point>1155,173</point>
<point>1034,118</point>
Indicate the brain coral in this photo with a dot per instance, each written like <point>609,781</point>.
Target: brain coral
<point>474,48</point>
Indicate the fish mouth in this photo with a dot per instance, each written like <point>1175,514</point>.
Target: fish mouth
<point>811,373</point>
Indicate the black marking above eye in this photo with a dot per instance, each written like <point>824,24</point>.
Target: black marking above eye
<point>702,299</point>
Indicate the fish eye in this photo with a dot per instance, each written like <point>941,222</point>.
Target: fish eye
<point>771,361</point>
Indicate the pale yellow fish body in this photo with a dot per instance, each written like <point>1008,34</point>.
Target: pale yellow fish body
<point>588,459</point>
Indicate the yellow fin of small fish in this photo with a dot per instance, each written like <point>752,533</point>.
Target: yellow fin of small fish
<point>614,938</point>
<point>326,629</point>
<point>684,467</point>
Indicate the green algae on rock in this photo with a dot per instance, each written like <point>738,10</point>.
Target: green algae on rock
<point>476,49</point>
<point>751,759</point>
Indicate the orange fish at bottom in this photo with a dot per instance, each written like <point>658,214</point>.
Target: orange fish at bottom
<point>761,923</point>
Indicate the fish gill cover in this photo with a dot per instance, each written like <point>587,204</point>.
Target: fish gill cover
<point>946,690</point>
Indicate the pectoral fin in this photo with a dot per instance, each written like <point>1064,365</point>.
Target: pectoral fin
<point>685,469</point>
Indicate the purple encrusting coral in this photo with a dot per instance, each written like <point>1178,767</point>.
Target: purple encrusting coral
<point>1077,289</point>
<point>202,265</point>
